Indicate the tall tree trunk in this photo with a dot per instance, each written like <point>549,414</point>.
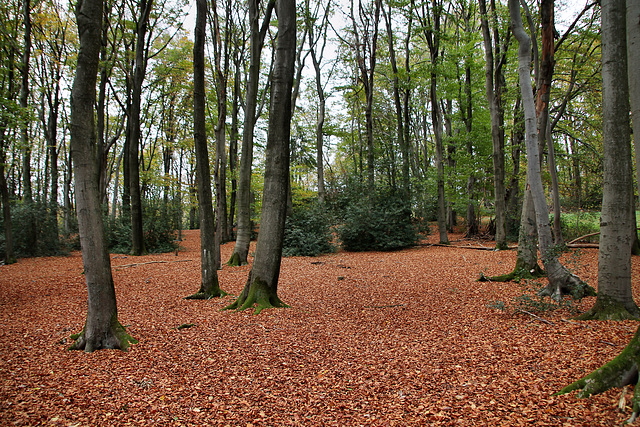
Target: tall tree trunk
<point>209,286</point>
<point>102,328</point>
<point>243,236</point>
<point>561,281</point>
<point>262,283</point>
<point>617,225</point>
<point>493,89</point>
<point>30,231</point>
<point>4,190</point>
<point>233,145</point>
<point>623,369</point>
<point>633,66</point>
<point>137,229</point>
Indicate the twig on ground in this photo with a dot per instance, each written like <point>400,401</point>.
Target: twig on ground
<point>535,316</point>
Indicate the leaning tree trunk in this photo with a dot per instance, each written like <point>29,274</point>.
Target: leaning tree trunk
<point>262,284</point>
<point>209,286</point>
<point>102,328</point>
<point>617,225</point>
<point>561,281</point>
<point>243,235</point>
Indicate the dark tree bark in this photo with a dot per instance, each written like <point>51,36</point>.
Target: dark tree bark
<point>209,286</point>
<point>494,85</point>
<point>102,328</point>
<point>4,190</point>
<point>140,65</point>
<point>257,35</point>
<point>262,284</point>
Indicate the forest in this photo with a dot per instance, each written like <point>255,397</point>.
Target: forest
<point>404,179</point>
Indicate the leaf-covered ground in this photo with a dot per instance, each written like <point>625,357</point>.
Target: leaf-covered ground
<point>371,339</point>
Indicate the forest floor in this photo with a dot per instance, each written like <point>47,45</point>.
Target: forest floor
<point>371,339</point>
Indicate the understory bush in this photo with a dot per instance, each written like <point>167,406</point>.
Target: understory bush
<point>35,231</point>
<point>574,225</point>
<point>308,231</point>
<point>380,222</point>
<point>159,230</point>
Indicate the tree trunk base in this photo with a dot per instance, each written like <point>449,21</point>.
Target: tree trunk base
<point>621,371</point>
<point>208,295</point>
<point>607,308</point>
<point>517,275</point>
<point>258,296</point>
<point>236,260</point>
<point>115,337</point>
<point>567,284</point>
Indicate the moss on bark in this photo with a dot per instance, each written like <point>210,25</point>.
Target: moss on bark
<point>607,308</point>
<point>259,296</point>
<point>235,261</point>
<point>115,337</point>
<point>519,273</point>
<point>621,371</point>
<point>214,293</point>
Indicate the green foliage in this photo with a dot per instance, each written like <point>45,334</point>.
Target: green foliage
<point>380,222</point>
<point>159,229</point>
<point>308,230</point>
<point>576,224</point>
<point>530,301</point>
<point>45,241</point>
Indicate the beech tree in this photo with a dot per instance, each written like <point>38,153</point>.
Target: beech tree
<point>102,328</point>
<point>262,283</point>
<point>257,35</point>
<point>209,246</point>
<point>561,281</point>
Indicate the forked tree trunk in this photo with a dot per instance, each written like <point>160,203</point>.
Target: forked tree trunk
<point>243,235</point>
<point>561,281</point>
<point>262,283</point>
<point>209,247</point>
<point>102,328</point>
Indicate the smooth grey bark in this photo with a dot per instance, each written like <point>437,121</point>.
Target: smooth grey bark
<point>209,247</point>
<point>633,66</point>
<point>493,87</point>
<point>561,281</point>
<point>256,42</point>
<point>617,225</point>
<point>102,328</point>
<point>262,283</point>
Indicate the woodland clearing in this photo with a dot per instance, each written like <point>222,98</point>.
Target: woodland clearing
<point>372,338</point>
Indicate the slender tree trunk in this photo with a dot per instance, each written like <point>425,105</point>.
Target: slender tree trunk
<point>209,286</point>
<point>243,237</point>
<point>561,281</point>
<point>233,147</point>
<point>102,328</point>
<point>497,131</point>
<point>262,283</point>
<point>137,229</point>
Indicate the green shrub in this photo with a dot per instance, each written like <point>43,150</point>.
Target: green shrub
<point>381,222</point>
<point>574,225</point>
<point>308,231</point>
<point>44,240</point>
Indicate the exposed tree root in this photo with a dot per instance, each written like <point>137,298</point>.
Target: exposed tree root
<point>621,371</point>
<point>567,284</point>
<point>607,308</point>
<point>258,296</point>
<point>234,261</point>
<point>214,293</point>
<point>115,337</point>
<point>516,275</point>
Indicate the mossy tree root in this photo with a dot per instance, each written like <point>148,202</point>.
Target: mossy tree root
<point>619,372</point>
<point>218,293</point>
<point>258,296</point>
<point>570,285</point>
<point>115,337</point>
<point>607,308</point>
<point>517,275</point>
<point>234,261</point>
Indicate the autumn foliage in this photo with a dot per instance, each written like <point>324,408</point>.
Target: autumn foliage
<point>371,338</point>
